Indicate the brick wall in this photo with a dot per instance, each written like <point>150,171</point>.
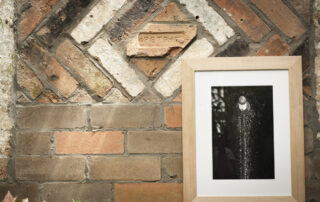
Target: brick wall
<point>98,90</point>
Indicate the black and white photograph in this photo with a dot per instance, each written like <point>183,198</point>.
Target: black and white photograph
<point>242,132</point>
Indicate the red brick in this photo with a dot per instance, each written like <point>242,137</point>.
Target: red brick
<point>282,16</point>
<point>81,65</point>
<point>33,16</point>
<point>154,142</point>
<point>110,142</point>
<point>50,68</point>
<point>33,143</point>
<point>61,19</point>
<point>173,116</point>
<point>148,192</point>
<point>50,117</point>
<point>93,192</point>
<point>124,168</point>
<point>275,46</point>
<point>171,13</point>
<point>248,21</point>
<point>28,80</point>
<point>151,67</point>
<point>55,169</point>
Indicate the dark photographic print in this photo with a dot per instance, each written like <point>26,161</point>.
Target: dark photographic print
<point>242,132</point>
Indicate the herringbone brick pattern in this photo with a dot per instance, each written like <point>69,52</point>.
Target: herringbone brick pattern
<point>98,86</point>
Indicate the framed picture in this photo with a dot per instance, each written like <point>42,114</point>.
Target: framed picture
<point>243,130</point>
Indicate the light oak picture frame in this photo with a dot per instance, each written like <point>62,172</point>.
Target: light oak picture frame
<point>292,64</point>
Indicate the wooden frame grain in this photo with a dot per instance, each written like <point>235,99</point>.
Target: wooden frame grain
<point>290,63</point>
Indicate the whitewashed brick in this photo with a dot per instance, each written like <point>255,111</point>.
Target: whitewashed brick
<point>210,19</point>
<point>117,66</point>
<point>171,79</point>
<point>95,19</point>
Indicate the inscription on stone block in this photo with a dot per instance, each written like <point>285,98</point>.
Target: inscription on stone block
<point>159,39</point>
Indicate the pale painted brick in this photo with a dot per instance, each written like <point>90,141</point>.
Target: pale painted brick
<point>210,19</point>
<point>95,19</point>
<point>171,79</point>
<point>117,66</point>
